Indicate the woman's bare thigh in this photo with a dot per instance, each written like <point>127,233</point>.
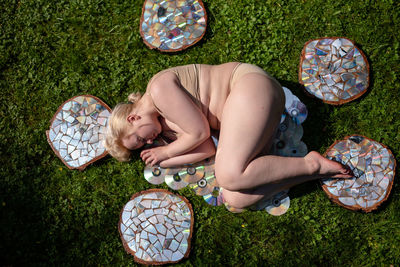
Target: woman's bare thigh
<point>249,120</point>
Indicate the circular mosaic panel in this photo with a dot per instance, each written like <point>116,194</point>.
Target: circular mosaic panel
<point>77,130</point>
<point>334,70</point>
<point>373,166</point>
<point>156,227</point>
<point>172,25</point>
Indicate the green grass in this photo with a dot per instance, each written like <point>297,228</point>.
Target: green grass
<point>53,50</point>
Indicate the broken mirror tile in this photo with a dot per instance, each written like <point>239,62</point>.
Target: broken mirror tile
<point>334,70</point>
<point>154,238</point>
<point>77,131</point>
<point>373,166</point>
<point>172,25</point>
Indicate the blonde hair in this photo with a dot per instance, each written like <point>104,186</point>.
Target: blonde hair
<point>116,126</point>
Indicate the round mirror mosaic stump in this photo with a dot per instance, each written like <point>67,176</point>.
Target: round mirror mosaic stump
<point>373,165</point>
<point>156,227</point>
<point>172,25</point>
<point>334,70</point>
<point>77,130</point>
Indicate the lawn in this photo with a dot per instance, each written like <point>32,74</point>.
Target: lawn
<point>51,51</point>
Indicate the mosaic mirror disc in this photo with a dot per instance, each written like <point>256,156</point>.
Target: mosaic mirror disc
<point>156,227</point>
<point>77,130</point>
<point>172,25</point>
<point>334,70</point>
<point>373,166</point>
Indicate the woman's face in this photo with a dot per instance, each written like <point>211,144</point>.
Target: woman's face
<point>140,132</point>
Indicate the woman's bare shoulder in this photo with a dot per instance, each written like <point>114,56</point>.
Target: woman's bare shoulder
<point>161,80</point>
<point>219,66</point>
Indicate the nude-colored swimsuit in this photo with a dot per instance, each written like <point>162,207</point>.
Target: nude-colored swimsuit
<point>189,77</point>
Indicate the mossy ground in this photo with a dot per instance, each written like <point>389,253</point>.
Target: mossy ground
<point>51,51</point>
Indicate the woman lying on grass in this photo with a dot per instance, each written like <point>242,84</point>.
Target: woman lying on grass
<point>242,102</point>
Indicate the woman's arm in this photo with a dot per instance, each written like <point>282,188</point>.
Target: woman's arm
<point>177,107</point>
<point>201,152</point>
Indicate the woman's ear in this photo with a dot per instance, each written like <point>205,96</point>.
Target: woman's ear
<point>132,118</point>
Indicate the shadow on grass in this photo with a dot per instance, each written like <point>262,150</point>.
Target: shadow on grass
<point>287,241</point>
<point>315,125</point>
<point>315,133</point>
<point>23,239</point>
<point>371,76</point>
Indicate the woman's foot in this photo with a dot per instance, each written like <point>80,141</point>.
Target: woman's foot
<point>323,167</point>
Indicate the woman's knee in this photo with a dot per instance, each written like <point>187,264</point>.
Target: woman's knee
<point>227,177</point>
<point>233,200</point>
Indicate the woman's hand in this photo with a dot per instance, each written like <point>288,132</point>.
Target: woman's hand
<point>153,156</point>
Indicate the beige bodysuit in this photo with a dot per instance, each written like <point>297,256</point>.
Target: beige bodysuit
<point>215,84</point>
<point>189,76</point>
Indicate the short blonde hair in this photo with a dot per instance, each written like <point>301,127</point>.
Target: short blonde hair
<point>116,126</point>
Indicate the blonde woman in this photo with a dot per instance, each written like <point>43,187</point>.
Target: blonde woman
<point>240,101</point>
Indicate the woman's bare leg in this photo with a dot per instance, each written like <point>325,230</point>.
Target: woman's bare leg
<point>250,117</point>
<point>244,198</point>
